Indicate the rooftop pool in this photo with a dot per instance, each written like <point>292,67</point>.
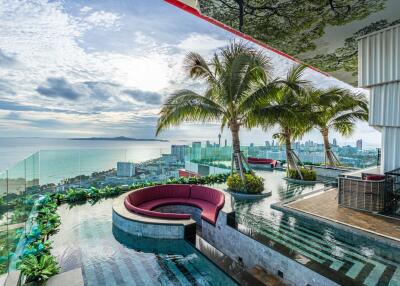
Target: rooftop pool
<point>108,256</point>
<point>365,263</point>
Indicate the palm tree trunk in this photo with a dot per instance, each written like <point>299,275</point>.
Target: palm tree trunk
<point>288,144</point>
<point>291,162</point>
<point>327,147</point>
<point>234,127</point>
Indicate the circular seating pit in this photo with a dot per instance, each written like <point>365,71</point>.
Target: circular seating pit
<point>144,201</point>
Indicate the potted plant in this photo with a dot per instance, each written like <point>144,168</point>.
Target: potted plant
<point>251,187</point>
<point>38,269</point>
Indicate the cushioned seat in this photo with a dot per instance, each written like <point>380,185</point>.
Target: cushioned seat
<point>145,200</point>
<point>149,213</point>
<point>151,205</point>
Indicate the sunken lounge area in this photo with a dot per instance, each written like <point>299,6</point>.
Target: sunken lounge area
<point>168,211</point>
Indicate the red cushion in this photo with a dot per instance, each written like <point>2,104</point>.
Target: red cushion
<point>208,194</point>
<point>209,211</point>
<point>166,191</point>
<point>375,177</point>
<point>173,191</point>
<point>252,160</point>
<point>151,205</point>
<point>139,210</point>
<point>140,196</point>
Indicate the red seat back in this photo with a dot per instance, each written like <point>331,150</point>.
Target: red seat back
<point>207,194</point>
<point>159,192</point>
<point>375,177</point>
<point>143,195</point>
<point>173,191</point>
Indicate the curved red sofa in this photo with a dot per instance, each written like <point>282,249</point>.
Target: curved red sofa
<point>144,201</point>
<point>262,161</point>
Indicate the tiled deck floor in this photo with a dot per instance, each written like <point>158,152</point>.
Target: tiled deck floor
<point>325,205</point>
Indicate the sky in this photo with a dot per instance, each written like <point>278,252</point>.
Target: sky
<point>103,68</point>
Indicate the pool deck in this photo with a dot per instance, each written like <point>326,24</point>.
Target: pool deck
<point>325,205</point>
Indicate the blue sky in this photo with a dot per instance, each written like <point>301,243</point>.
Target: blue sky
<point>103,68</point>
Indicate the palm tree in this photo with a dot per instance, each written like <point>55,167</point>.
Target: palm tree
<point>337,109</point>
<point>289,109</point>
<point>236,81</point>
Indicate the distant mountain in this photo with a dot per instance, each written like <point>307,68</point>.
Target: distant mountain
<point>119,138</point>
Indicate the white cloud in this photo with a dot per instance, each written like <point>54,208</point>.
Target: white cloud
<point>103,19</point>
<point>201,43</point>
<point>86,9</point>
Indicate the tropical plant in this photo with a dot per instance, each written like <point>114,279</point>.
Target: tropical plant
<point>337,109</point>
<point>75,195</point>
<point>306,174</point>
<point>232,77</point>
<point>59,197</point>
<point>37,248</point>
<point>38,268</point>
<point>288,108</point>
<point>252,184</point>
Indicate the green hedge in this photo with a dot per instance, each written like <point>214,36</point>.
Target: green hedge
<point>253,184</point>
<point>308,174</point>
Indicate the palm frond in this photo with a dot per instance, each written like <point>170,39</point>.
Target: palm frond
<point>197,67</point>
<point>186,105</point>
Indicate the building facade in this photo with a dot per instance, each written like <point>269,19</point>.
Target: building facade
<point>379,70</point>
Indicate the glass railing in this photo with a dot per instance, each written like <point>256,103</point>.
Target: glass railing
<point>60,170</point>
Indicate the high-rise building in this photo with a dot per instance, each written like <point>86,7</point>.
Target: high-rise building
<point>219,140</point>
<point>267,144</point>
<point>359,144</point>
<point>226,142</point>
<point>196,151</point>
<point>208,144</point>
<point>125,169</point>
<point>180,151</point>
<point>334,143</point>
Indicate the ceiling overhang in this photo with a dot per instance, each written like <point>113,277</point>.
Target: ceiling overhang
<point>321,34</point>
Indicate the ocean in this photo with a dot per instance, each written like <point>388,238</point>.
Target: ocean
<point>13,150</point>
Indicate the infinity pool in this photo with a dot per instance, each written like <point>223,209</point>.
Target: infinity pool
<point>361,261</point>
<point>108,256</point>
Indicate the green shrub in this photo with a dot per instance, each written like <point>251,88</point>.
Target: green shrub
<point>38,268</point>
<point>76,195</point>
<point>253,184</point>
<point>308,174</point>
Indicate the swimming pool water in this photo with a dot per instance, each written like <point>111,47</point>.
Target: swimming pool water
<point>108,256</point>
<point>364,263</point>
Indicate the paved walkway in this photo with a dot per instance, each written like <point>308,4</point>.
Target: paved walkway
<point>325,205</point>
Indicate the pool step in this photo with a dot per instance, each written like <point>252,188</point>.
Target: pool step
<point>264,277</point>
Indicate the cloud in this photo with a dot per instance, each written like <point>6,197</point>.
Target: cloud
<point>59,87</point>
<point>102,19</point>
<point>86,9</point>
<point>7,60</point>
<point>147,97</point>
<point>12,116</point>
<point>201,43</point>
<point>5,88</point>
<point>14,106</point>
